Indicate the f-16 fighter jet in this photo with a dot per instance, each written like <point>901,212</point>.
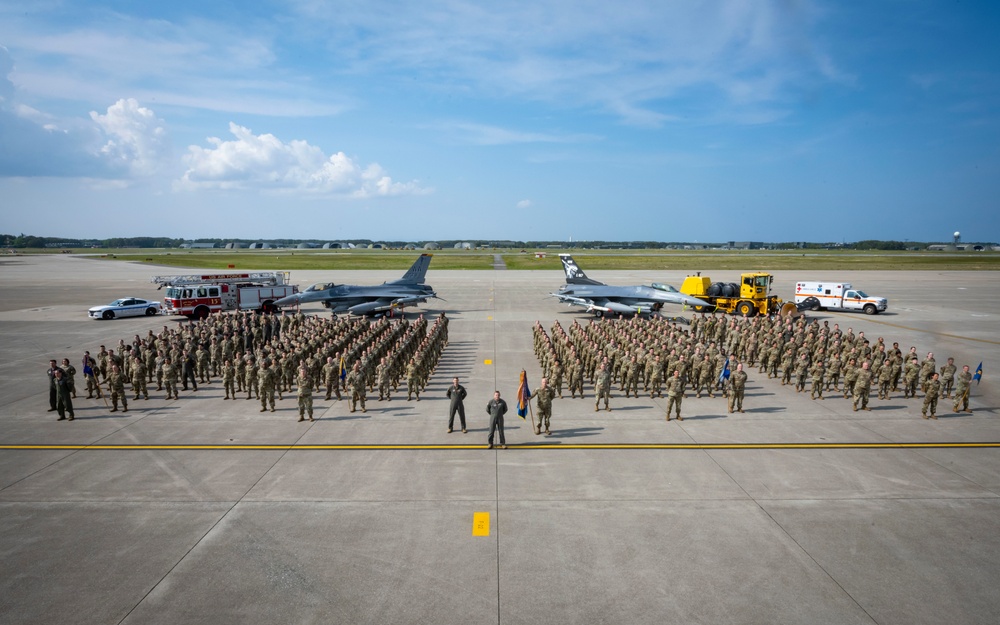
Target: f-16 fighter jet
<point>385,298</point>
<point>601,299</point>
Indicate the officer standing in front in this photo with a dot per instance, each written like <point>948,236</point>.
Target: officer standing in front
<point>497,408</point>
<point>456,395</point>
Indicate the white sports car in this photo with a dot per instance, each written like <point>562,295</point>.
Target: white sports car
<point>125,307</point>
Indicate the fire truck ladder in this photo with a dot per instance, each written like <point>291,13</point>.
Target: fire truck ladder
<point>262,278</point>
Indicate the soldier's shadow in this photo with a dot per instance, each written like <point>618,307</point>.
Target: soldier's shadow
<point>575,432</point>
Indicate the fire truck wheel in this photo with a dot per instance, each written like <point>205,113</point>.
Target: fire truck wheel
<point>268,308</point>
<point>108,315</point>
<point>201,312</point>
<point>150,311</point>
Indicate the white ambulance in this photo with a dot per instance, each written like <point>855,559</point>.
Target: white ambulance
<point>839,296</point>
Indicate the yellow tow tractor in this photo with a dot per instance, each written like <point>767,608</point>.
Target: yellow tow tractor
<point>748,298</point>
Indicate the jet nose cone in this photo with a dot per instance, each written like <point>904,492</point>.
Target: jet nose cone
<point>291,300</point>
<point>694,301</point>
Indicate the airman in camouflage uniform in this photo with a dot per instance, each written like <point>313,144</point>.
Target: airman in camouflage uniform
<point>331,377</point>
<point>170,378</point>
<point>817,380</point>
<point>116,383</point>
<point>304,384</point>
<point>947,377</point>
<point>885,380</point>
<point>544,394</point>
<point>412,380</point>
<point>356,382</point>
<point>862,386</point>
<point>933,390</point>
<point>139,378</point>
<point>229,379</point>
<point>266,393</point>
<point>252,383</point>
<point>603,387</point>
<point>383,378</point>
<point>962,390</point>
<point>576,378</point>
<point>738,383</point>
<point>910,376</point>
<point>675,394</point>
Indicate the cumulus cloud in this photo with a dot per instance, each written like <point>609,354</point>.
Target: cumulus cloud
<point>137,139</point>
<point>264,161</point>
<point>125,142</point>
<point>524,204</point>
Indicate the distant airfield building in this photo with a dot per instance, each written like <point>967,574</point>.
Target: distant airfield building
<point>431,246</point>
<point>336,246</point>
<point>260,246</point>
<point>746,245</point>
<point>234,245</point>
<point>197,246</point>
<point>465,245</point>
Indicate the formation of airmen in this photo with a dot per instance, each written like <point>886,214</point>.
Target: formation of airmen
<point>262,356</point>
<point>715,352</point>
<point>266,355</point>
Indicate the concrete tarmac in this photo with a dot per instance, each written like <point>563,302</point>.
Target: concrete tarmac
<point>107,519</point>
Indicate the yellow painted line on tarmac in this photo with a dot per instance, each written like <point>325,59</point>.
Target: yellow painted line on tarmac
<point>480,523</point>
<point>951,336</point>
<point>528,446</point>
<point>487,362</point>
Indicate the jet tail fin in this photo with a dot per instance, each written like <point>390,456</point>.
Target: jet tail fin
<point>574,275</point>
<point>417,271</point>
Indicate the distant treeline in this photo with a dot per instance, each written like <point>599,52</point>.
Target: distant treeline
<point>29,241</point>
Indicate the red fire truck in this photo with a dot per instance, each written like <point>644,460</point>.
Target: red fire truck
<point>197,296</point>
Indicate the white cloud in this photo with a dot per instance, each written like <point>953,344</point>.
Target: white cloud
<point>126,142</point>
<point>266,162</point>
<point>137,140</point>
<point>524,204</point>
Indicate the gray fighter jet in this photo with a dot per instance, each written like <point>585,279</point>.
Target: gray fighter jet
<point>385,298</point>
<point>601,299</point>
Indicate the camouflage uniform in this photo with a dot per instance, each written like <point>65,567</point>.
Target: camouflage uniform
<point>738,382</point>
<point>266,393</point>
<point>933,387</point>
<point>545,395</point>
<point>962,391</point>
<point>675,395</point>
<point>229,380</point>
<point>356,382</point>
<point>603,387</point>
<point>170,378</point>
<point>862,386</point>
<point>304,383</point>
<point>116,383</point>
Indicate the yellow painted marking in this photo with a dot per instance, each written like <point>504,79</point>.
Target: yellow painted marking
<point>945,334</point>
<point>529,446</point>
<point>490,318</point>
<point>487,362</point>
<point>480,523</point>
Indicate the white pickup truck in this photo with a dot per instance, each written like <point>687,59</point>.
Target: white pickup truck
<point>839,296</point>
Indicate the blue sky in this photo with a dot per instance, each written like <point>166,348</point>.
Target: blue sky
<point>691,121</point>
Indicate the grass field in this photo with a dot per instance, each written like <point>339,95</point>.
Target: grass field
<point>588,259</point>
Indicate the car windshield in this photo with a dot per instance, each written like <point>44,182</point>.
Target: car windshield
<point>117,302</point>
<point>321,286</point>
<point>862,294</point>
